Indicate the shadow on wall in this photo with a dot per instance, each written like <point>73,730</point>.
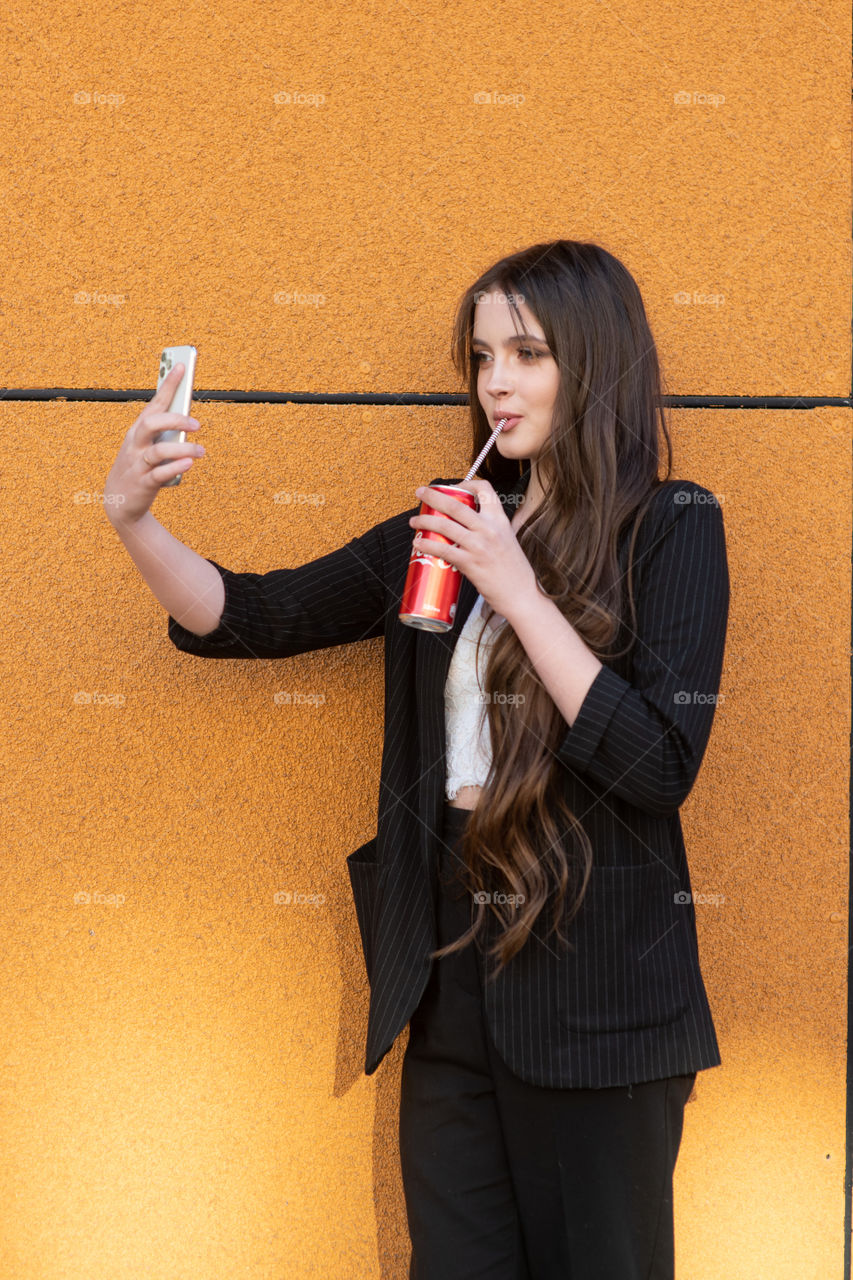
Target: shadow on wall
<point>392,1231</point>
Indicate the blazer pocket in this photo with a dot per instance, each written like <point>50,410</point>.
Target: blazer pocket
<point>633,950</point>
<point>363,870</point>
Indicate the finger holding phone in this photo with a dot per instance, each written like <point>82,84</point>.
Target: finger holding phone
<point>155,452</point>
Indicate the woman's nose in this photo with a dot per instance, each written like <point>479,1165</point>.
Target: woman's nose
<point>498,382</point>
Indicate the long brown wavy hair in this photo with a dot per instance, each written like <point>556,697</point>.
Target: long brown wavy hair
<point>599,470</point>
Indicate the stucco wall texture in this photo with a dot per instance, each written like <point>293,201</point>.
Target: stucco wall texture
<point>303,192</point>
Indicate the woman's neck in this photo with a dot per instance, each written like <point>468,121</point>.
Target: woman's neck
<point>533,495</point>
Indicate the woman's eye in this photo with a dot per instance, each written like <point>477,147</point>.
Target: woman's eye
<point>526,352</point>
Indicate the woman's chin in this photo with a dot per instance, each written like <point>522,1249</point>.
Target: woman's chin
<point>507,445</point>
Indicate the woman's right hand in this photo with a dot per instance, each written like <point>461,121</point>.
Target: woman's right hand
<point>142,467</point>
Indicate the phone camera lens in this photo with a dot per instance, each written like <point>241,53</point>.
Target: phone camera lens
<point>162,370</point>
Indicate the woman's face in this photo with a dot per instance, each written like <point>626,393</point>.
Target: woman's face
<point>517,376</point>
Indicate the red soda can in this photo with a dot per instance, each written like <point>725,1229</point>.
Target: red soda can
<point>432,585</point>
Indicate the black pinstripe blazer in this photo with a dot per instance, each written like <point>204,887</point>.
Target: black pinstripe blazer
<point>628,1004</point>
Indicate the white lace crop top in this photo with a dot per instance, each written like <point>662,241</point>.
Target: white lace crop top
<point>469,753</point>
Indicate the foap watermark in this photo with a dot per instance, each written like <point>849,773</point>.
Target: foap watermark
<point>283,298</point>
<point>511,299</point>
<point>111,499</point>
<point>287,99</point>
<point>284,898</point>
<point>696,99</point>
<point>83,298</point>
<point>85,99</point>
<point>496,99</point>
<point>84,699</point>
<point>288,496</point>
<point>713,899</point>
<point>511,699</point>
<point>696,299</point>
<point>298,698</point>
<point>482,897</point>
<point>684,697</point>
<point>84,899</point>
<point>682,497</point>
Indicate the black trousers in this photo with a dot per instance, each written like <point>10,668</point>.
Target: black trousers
<point>504,1180</point>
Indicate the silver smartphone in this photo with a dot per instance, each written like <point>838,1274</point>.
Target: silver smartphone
<point>182,399</point>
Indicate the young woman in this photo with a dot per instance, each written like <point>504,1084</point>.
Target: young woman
<point>525,905</point>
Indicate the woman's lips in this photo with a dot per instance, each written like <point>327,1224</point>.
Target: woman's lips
<point>512,419</point>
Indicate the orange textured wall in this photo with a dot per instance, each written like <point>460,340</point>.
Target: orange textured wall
<point>302,192</point>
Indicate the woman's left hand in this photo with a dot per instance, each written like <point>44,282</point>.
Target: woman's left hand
<point>488,552</point>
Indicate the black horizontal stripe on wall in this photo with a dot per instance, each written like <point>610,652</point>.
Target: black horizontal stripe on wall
<point>400,398</point>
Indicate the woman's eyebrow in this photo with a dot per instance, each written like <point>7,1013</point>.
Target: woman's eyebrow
<point>518,337</point>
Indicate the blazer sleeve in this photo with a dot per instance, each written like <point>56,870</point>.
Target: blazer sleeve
<point>336,599</point>
<point>644,739</point>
